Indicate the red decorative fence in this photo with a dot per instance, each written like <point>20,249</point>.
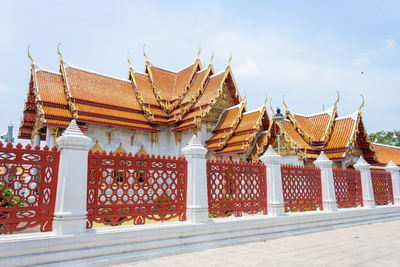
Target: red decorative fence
<point>236,188</point>
<point>28,187</point>
<point>382,186</point>
<point>348,188</point>
<point>301,187</point>
<point>125,188</point>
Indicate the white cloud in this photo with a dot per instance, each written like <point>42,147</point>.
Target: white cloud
<point>361,61</point>
<point>3,87</point>
<point>391,44</point>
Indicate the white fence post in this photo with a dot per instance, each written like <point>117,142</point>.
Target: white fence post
<point>70,209</point>
<point>327,183</point>
<point>366,182</point>
<point>394,173</point>
<point>272,161</point>
<point>197,197</point>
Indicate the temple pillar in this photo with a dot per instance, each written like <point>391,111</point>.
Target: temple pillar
<point>48,134</point>
<point>70,209</point>
<point>395,175</point>
<point>36,138</point>
<point>272,161</point>
<point>366,182</point>
<point>327,183</point>
<point>197,197</point>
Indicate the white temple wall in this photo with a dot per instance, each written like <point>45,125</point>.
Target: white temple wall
<point>294,160</point>
<point>166,139</point>
<point>120,136</point>
<point>166,142</point>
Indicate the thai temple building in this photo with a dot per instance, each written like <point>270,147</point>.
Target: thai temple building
<point>157,112</point>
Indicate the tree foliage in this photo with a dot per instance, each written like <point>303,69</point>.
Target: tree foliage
<point>386,137</point>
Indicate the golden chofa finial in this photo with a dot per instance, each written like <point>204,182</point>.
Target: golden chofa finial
<point>212,56</point>
<point>230,58</point>
<point>338,97</point>
<point>129,61</point>
<point>284,103</point>
<point>266,100</point>
<point>198,53</point>
<point>362,104</point>
<point>58,51</point>
<point>144,54</point>
<point>270,106</point>
<point>29,56</point>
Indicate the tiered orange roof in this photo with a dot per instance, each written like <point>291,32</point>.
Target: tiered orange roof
<point>217,86</point>
<point>46,100</point>
<point>308,135</point>
<point>170,87</point>
<point>104,100</point>
<point>182,99</point>
<point>227,123</point>
<point>243,135</point>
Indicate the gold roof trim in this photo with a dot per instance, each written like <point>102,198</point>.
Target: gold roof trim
<point>329,130</point>
<point>67,92</point>
<point>235,123</point>
<point>96,147</point>
<point>292,144</point>
<point>296,125</point>
<point>139,97</point>
<point>120,150</point>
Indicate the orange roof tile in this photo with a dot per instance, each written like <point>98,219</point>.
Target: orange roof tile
<point>342,133</point>
<point>101,89</point>
<point>53,122</point>
<point>217,136</point>
<point>294,135</point>
<point>183,79</point>
<point>248,121</point>
<point>84,108</point>
<point>111,122</point>
<point>315,126</point>
<point>386,153</point>
<point>336,155</point>
<point>172,84</point>
<point>231,149</point>
<point>145,89</point>
<point>227,118</point>
<point>240,138</point>
<point>164,80</point>
<point>50,87</point>
<point>319,125</point>
<point>213,84</point>
<point>198,83</point>
<point>57,112</point>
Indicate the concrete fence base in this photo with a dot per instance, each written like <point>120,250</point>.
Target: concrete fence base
<point>119,244</point>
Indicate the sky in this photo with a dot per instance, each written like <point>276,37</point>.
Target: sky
<point>305,50</point>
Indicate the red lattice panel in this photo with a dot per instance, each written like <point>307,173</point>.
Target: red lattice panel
<point>236,188</point>
<point>348,188</point>
<point>28,187</point>
<point>382,186</point>
<point>301,187</point>
<point>125,188</point>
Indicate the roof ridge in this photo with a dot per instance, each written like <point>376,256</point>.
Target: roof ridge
<point>171,71</point>
<point>49,71</point>
<point>254,110</point>
<point>350,116</point>
<point>327,111</point>
<point>97,73</point>
<point>386,145</point>
<point>216,74</point>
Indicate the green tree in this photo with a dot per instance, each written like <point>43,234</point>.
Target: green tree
<point>386,137</point>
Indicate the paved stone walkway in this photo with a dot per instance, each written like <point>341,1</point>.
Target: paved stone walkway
<point>369,245</point>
